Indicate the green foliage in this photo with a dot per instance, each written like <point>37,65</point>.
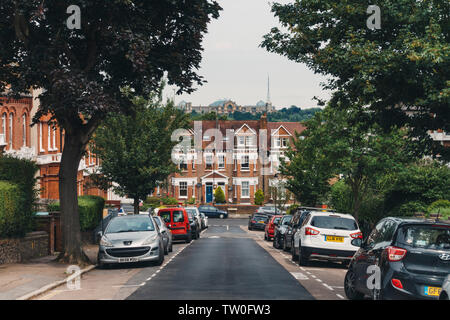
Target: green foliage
<point>190,201</point>
<point>440,206</point>
<point>22,173</point>
<point>13,221</point>
<point>405,63</point>
<point>207,116</point>
<point>135,150</point>
<point>169,201</point>
<point>154,202</point>
<point>417,186</point>
<point>259,197</point>
<point>292,208</point>
<point>219,195</point>
<point>90,209</point>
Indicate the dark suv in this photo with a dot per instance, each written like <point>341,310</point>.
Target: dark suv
<point>295,223</point>
<point>402,258</point>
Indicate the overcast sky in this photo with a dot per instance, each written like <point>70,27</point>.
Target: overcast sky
<point>237,68</point>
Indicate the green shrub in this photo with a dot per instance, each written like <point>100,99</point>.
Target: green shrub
<point>13,220</point>
<point>90,209</point>
<point>154,202</point>
<point>440,206</point>
<point>292,208</point>
<point>22,173</point>
<point>169,201</point>
<point>219,195</point>
<point>191,201</point>
<point>259,197</point>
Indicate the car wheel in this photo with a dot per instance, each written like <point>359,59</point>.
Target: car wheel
<point>275,242</point>
<point>198,234</point>
<point>249,228</point>
<point>189,238</point>
<point>350,286</point>
<point>171,247</point>
<point>302,258</point>
<point>284,245</point>
<point>102,265</point>
<point>161,258</point>
<point>221,216</point>
<point>294,256</point>
<point>166,249</point>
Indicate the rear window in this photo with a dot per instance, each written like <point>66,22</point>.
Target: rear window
<point>260,218</point>
<point>286,220</point>
<point>330,222</point>
<point>276,220</point>
<point>178,216</point>
<point>165,215</point>
<point>425,236</point>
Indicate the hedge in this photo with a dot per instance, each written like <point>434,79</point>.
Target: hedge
<point>13,221</point>
<point>90,209</point>
<point>259,197</point>
<point>22,173</point>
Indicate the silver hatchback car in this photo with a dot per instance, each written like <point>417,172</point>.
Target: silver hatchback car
<point>132,238</point>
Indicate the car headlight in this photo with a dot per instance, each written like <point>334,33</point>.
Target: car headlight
<point>105,242</point>
<point>150,240</point>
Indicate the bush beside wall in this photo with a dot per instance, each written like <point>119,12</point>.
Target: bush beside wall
<point>90,209</point>
<point>13,220</point>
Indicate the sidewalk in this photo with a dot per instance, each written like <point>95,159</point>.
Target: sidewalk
<point>19,279</point>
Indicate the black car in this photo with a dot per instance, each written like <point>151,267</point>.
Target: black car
<point>402,258</point>
<point>280,230</point>
<point>292,226</point>
<point>212,212</point>
<point>195,227</point>
<point>257,222</point>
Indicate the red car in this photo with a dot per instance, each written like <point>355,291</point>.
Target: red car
<point>270,227</point>
<point>177,221</point>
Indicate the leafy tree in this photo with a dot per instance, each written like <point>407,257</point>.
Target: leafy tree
<point>417,186</point>
<point>208,116</point>
<point>120,43</point>
<point>219,195</point>
<point>259,197</point>
<point>401,67</point>
<point>135,150</point>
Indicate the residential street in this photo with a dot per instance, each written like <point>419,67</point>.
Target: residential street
<point>227,262</point>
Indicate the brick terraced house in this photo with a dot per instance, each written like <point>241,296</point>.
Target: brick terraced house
<point>244,159</point>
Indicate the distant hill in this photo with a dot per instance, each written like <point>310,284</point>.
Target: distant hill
<point>291,114</point>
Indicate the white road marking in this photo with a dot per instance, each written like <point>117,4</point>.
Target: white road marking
<point>328,287</point>
<point>299,276</point>
<point>340,296</point>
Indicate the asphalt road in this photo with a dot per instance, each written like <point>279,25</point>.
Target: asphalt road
<point>225,263</point>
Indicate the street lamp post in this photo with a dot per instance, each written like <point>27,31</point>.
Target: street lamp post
<point>276,191</point>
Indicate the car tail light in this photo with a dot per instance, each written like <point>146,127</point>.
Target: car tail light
<point>395,254</point>
<point>357,235</point>
<point>397,283</point>
<point>188,226</point>
<point>311,232</point>
<point>253,221</point>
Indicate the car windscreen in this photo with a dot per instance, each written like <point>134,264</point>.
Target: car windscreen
<point>130,224</point>
<point>276,220</point>
<point>425,236</point>
<point>286,220</point>
<point>334,222</point>
<point>191,211</point>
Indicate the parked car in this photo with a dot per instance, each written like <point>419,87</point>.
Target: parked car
<point>177,221</point>
<point>131,238</point>
<point>212,212</point>
<point>280,230</point>
<point>195,226</point>
<point>412,257</point>
<point>292,227</point>
<point>326,236</point>
<point>269,209</point>
<point>165,233</point>
<point>196,214</point>
<point>257,222</point>
<point>445,292</point>
<point>126,208</point>
<point>270,227</point>
<point>204,220</point>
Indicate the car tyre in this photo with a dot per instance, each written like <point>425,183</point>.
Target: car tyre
<point>303,259</point>
<point>161,258</point>
<point>221,216</point>
<point>275,242</point>
<point>166,250</point>
<point>171,247</point>
<point>189,238</point>
<point>102,265</point>
<point>349,286</point>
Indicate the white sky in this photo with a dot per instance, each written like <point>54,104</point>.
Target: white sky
<point>237,68</point>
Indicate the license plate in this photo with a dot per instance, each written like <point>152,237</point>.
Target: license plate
<point>432,291</point>
<point>334,239</point>
<point>124,260</point>
<point>261,222</point>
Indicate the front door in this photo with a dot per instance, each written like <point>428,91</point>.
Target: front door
<point>209,193</point>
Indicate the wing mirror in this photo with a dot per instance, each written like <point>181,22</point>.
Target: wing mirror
<point>357,242</point>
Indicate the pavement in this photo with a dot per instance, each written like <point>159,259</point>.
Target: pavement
<point>19,280</point>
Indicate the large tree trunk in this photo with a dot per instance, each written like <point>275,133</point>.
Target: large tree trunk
<point>136,205</point>
<point>70,218</point>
